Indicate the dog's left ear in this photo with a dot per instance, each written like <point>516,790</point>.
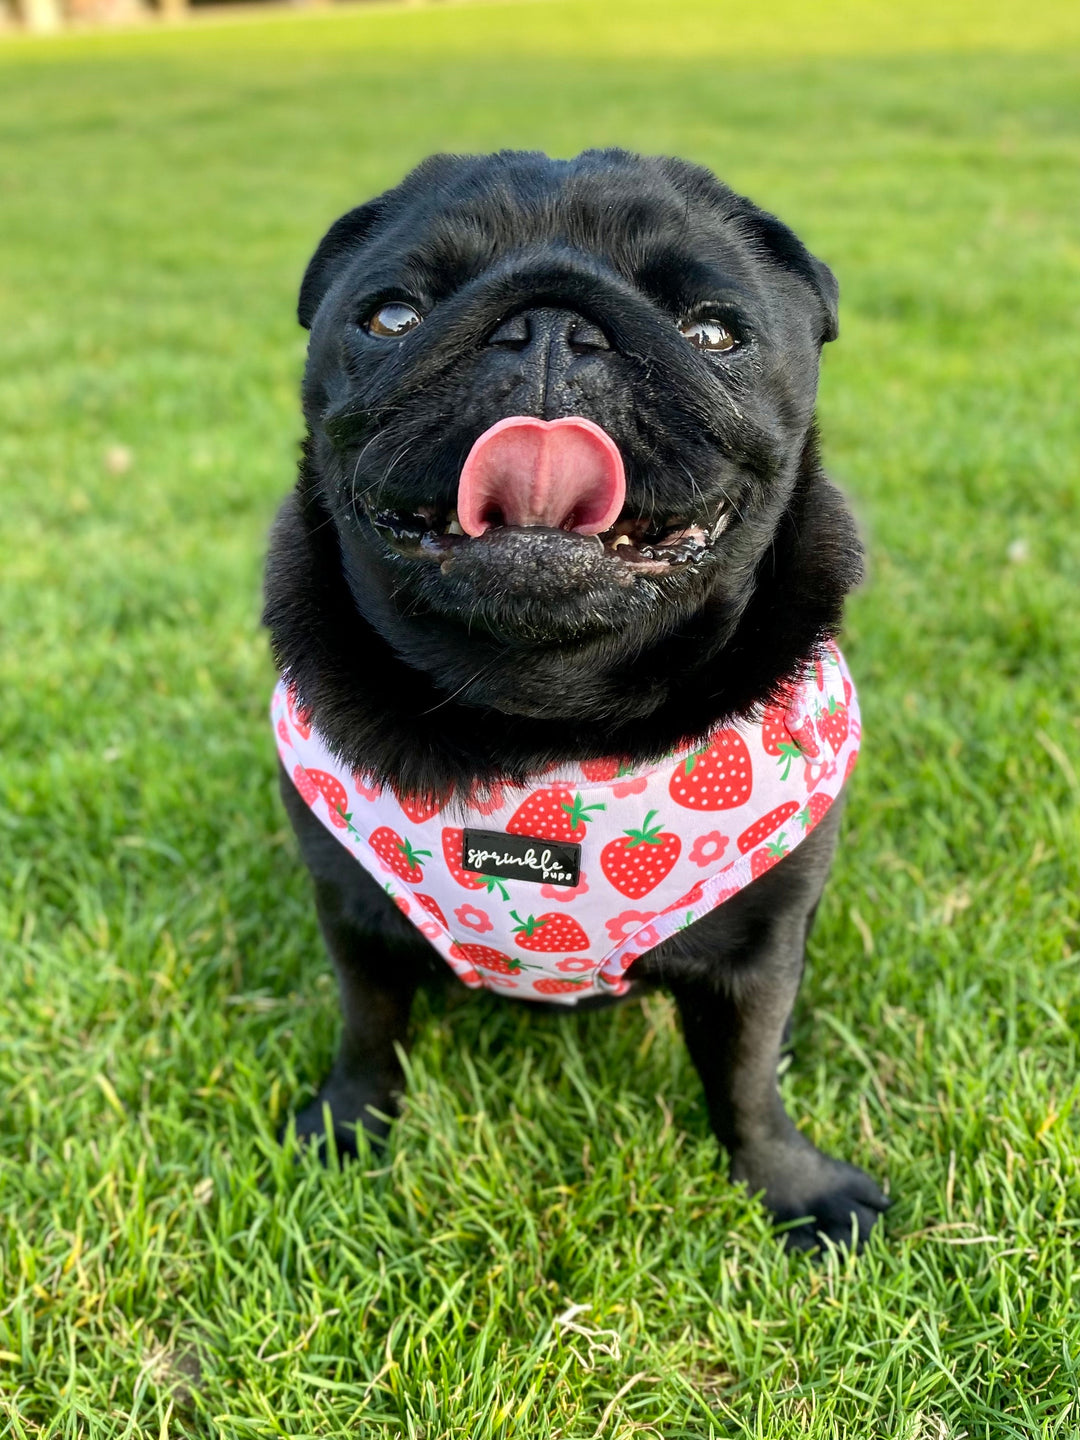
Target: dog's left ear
<point>335,248</point>
<point>793,255</point>
<point>828,289</point>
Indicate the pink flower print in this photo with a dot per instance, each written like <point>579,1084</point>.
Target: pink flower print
<point>473,919</point>
<point>624,925</point>
<point>816,772</point>
<point>365,786</point>
<point>574,962</point>
<point>707,848</point>
<point>635,786</point>
<point>430,929</point>
<point>488,805</point>
<point>565,893</point>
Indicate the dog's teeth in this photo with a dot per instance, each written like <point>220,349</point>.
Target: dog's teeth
<point>620,540</point>
<point>454,528</point>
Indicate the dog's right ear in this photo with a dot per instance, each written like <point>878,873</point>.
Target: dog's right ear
<point>334,249</point>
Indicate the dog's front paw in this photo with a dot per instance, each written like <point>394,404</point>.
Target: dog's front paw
<point>835,1201</point>
<point>352,1109</point>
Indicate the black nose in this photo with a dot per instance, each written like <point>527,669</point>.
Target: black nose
<point>548,331</point>
<point>546,360</point>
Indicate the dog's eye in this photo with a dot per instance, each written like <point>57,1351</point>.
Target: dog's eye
<point>708,334</point>
<point>395,318</point>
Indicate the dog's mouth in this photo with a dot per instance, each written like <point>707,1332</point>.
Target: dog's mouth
<point>642,545</point>
<point>556,487</point>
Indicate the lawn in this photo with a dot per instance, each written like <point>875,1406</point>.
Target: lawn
<point>549,1247</point>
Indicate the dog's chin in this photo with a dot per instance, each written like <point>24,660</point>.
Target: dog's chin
<point>537,586</point>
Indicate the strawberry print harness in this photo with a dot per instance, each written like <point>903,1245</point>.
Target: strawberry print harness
<point>551,890</point>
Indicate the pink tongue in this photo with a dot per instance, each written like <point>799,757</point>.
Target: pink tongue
<point>565,474</point>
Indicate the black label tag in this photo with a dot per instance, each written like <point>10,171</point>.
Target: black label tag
<point>520,857</point>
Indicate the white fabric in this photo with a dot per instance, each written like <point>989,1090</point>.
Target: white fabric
<point>661,845</point>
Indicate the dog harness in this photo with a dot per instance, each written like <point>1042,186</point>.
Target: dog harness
<point>550,891</point>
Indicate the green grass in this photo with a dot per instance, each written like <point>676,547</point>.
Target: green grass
<point>165,1268</point>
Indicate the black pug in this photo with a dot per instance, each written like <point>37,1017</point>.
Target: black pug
<point>560,501</point>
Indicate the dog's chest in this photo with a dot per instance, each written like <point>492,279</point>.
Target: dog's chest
<point>552,890</point>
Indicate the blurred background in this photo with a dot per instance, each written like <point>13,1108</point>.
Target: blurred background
<point>164,1002</point>
<point>46,17</point>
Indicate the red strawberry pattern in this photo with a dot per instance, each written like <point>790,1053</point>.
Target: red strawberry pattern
<point>658,846</point>
<point>452,840</point>
<point>418,810</point>
<point>639,861</point>
<point>606,769</point>
<point>761,829</point>
<point>802,732</point>
<point>720,777</point>
<point>486,957</point>
<point>552,933</point>
<point>768,856</point>
<point>309,791</point>
<point>773,729</point>
<point>556,813</point>
<point>432,908</point>
<point>788,735</point>
<point>551,986</point>
<point>832,723</point>
<point>814,810</point>
<point>398,854</point>
<point>299,718</point>
<point>335,795</point>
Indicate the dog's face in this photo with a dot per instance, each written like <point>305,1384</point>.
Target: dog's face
<point>557,404</point>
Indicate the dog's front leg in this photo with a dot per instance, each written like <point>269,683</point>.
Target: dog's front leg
<point>375,957</point>
<point>377,987</point>
<point>734,1021</point>
<point>734,1040</point>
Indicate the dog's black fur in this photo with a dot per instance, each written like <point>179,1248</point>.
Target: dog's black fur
<point>556,288</point>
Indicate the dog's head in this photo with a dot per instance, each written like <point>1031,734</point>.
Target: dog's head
<point>557,412</point>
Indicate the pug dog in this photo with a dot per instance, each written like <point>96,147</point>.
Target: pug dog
<point>553,603</point>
